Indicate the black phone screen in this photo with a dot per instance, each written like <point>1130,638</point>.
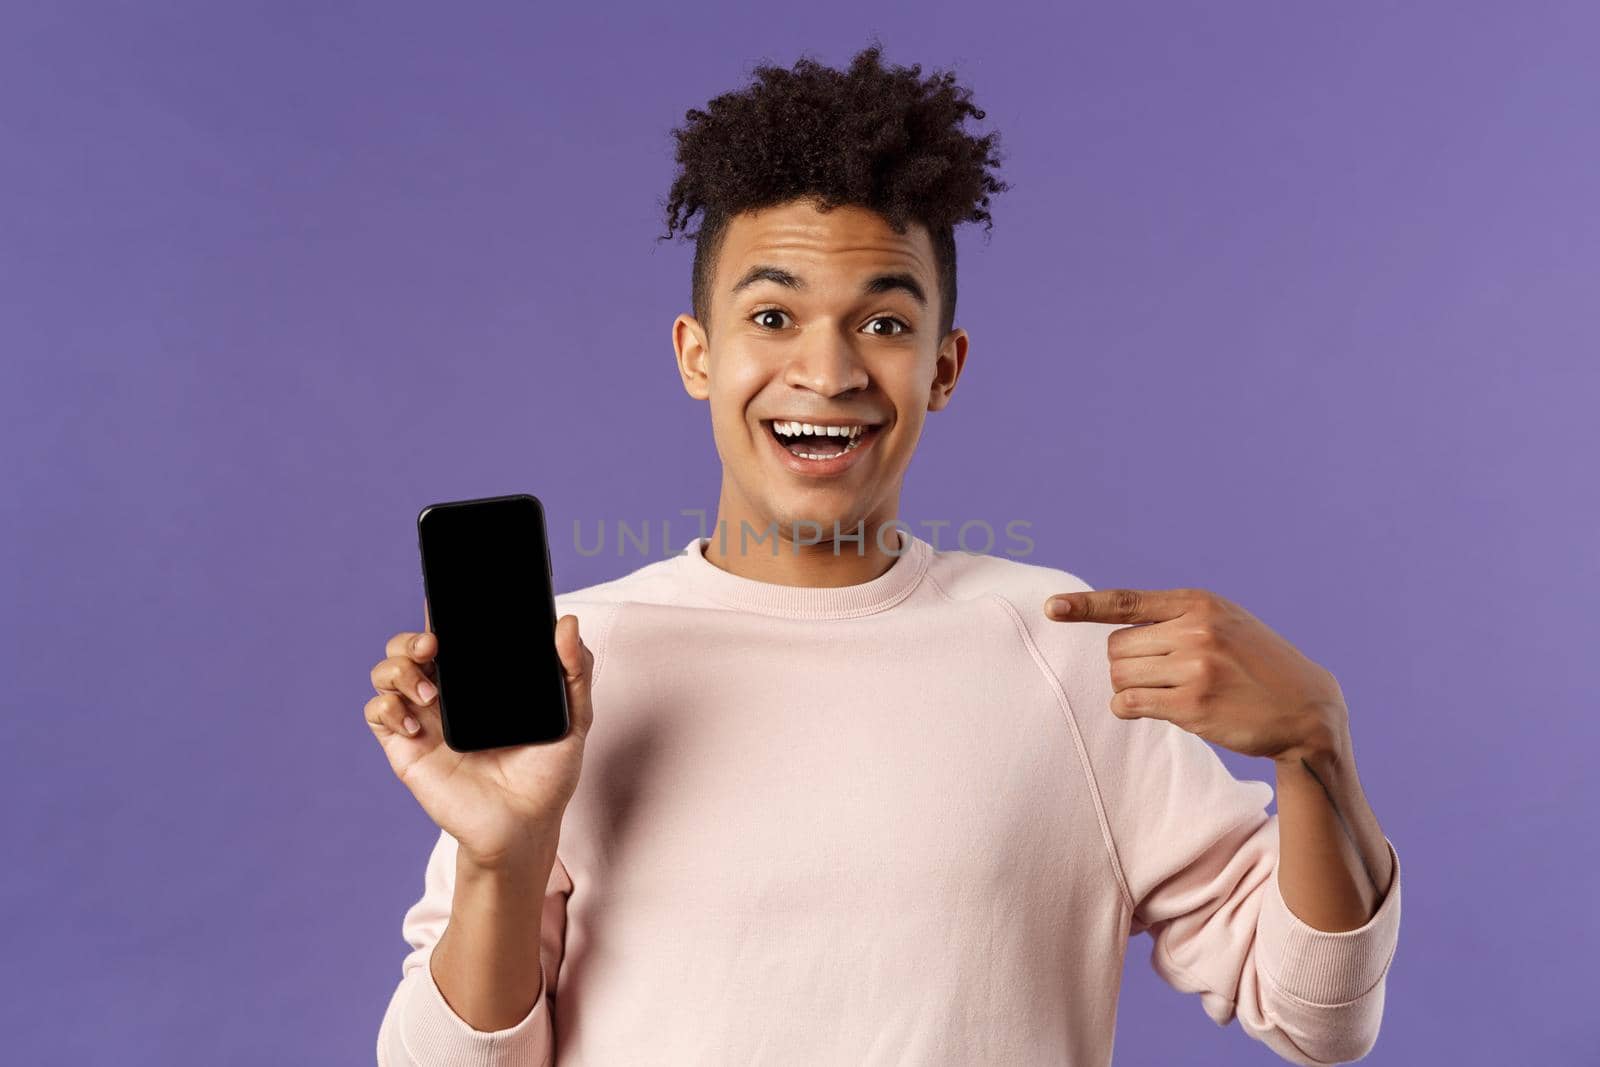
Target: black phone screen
<point>491,606</point>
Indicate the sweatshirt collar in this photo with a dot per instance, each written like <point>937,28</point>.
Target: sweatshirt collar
<point>804,601</point>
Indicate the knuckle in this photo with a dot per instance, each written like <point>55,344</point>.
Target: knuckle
<point>1119,674</point>
<point>1125,601</point>
<point>386,675</point>
<point>377,709</point>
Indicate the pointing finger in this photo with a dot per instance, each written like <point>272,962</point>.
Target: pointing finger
<point>1120,605</point>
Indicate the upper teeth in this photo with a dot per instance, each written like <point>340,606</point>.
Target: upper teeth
<point>791,429</point>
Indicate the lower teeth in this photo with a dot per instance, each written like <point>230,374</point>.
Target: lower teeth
<point>854,442</point>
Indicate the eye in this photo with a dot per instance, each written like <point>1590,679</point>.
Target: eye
<point>897,326</point>
<point>902,327</point>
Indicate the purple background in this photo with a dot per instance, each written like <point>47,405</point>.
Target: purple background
<point>1294,303</point>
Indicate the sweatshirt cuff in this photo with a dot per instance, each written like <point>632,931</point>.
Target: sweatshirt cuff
<point>434,1034</point>
<point>1326,967</point>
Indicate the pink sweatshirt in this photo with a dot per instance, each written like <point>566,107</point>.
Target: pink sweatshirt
<point>889,823</point>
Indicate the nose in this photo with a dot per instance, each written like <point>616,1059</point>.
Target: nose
<point>828,367</point>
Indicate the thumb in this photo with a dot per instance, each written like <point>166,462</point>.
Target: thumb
<point>577,663</point>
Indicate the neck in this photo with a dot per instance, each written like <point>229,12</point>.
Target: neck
<point>770,553</point>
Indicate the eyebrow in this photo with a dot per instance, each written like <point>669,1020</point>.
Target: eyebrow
<point>878,283</point>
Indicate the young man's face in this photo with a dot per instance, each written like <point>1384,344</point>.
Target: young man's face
<point>813,320</point>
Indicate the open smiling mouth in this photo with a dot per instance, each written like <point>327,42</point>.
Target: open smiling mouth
<point>814,442</point>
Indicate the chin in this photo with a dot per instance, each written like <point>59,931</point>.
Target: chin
<point>848,519</point>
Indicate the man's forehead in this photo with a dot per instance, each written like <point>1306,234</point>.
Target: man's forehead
<point>847,235</point>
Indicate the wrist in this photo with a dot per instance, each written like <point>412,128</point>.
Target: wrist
<point>1325,745</point>
<point>1318,756</point>
<point>525,861</point>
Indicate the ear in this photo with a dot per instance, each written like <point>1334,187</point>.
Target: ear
<point>952,356</point>
<point>694,356</point>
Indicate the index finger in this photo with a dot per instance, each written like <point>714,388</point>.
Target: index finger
<point>1119,605</point>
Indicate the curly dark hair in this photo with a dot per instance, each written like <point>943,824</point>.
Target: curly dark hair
<point>885,139</point>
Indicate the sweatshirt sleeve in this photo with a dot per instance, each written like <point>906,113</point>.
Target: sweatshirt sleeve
<point>420,1029</point>
<point>1196,853</point>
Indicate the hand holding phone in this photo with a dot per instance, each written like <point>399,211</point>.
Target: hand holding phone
<point>499,802</point>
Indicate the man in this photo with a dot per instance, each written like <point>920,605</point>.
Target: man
<point>845,798</point>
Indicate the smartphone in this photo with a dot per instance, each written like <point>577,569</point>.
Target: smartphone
<point>491,605</point>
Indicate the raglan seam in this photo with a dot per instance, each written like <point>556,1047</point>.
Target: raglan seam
<point>928,574</point>
<point>1077,739</point>
<point>603,642</point>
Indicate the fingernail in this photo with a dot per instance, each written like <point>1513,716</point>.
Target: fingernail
<point>411,726</point>
<point>1060,607</point>
<point>425,690</point>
